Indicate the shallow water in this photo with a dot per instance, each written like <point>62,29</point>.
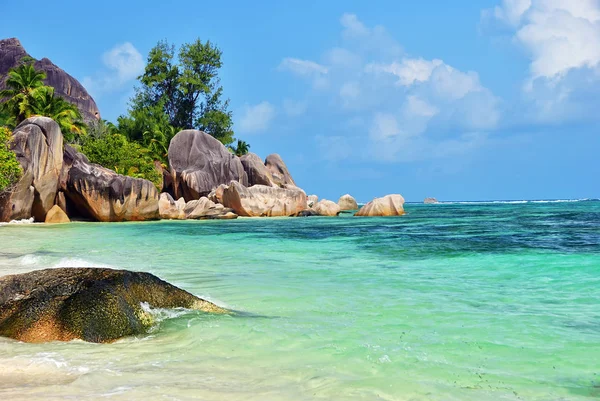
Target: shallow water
<point>450,302</point>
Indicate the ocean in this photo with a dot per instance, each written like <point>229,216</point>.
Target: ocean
<point>458,301</point>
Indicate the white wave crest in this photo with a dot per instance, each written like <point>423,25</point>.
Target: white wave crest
<point>160,314</point>
<point>77,262</point>
<point>30,260</point>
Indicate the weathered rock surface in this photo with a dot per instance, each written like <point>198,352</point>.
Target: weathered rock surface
<point>263,201</point>
<point>101,194</point>
<point>279,171</point>
<point>389,205</point>
<point>96,305</point>
<point>327,208</point>
<point>38,144</point>
<point>258,173</point>
<point>347,202</point>
<point>312,200</point>
<point>204,209</point>
<point>308,213</point>
<point>67,87</point>
<point>199,163</point>
<point>429,201</point>
<point>170,209</point>
<point>57,216</point>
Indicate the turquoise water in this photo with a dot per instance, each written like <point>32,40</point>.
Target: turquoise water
<point>450,302</point>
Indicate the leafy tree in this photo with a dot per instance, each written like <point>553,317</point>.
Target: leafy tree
<point>24,83</point>
<point>186,89</point>
<point>114,151</point>
<point>10,169</point>
<point>66,114</point>
<point>241,148</point>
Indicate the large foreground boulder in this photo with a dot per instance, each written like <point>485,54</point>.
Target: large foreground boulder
<point>199,163</point>
<point>279,171</point>
<point>263,201</point>
<point>96,305</point>
<point>389,205</point>
<point>347,202</point>
<point>101,194</point>
<point>258,173</point>
<point>38,144</point>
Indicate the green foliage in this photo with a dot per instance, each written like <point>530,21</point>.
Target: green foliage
<point>240,149</point>
<point>24,83</point>
<point>182,92</point>
<point>27,96</point>
<point>66,114</point>
<point>10,169</point>
<point>112,150</point>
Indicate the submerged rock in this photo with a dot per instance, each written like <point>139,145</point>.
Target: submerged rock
<point>101,194</point>
<point>347,202</point>
<point>389,205</point>
<point>430,201</point>
<point>279,171</point>
<point>263,201</point>
<point>327,208</point>
<point>91,304</point>
<point>38,144</point>
<point>57,216</point>
<point>200,163</point>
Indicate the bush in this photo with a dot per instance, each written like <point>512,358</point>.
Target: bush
<point>10,169</point>
<point>115,152</point>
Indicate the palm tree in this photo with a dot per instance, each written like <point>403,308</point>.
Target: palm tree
<point>157,140</point>
<point>22,85</point>
<point>67,115</point>
<point>241,149</point>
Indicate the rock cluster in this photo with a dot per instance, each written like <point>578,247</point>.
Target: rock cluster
<point>262,201</point>
<point>199,163</point>
<point>91,304</point>
<point>430,201</point>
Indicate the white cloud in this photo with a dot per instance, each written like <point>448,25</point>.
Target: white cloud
<point>353,27</point>
<point>303,67</point>
<point>256,118</point>
<point>511,11</point>
<point>123,64</point>
<point>562,39</point>
<point>294,108</point>
<point>401,106</point>
<point>418,107</point>
<point>308,69</point>
<point>408,71</point>
<point>384,126</point>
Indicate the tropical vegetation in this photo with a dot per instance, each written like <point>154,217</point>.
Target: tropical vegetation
<point>178,90</point>
<point>10,169</point>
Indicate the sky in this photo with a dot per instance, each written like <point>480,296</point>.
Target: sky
<point>461,100</point>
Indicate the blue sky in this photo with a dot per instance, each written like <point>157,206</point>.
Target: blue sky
<point>461,100</point>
